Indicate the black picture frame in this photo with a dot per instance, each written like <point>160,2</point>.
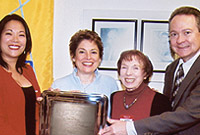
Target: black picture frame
<point>117,35</point>
<point>155,43</point>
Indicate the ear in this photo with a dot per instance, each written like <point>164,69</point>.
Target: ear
<point>119,77</point>
<point>145,76</point>
<point>99,62</point>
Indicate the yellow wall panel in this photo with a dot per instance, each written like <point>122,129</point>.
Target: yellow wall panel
<point>39,16</point>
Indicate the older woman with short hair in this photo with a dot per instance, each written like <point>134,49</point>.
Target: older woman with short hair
<point>138,100</point>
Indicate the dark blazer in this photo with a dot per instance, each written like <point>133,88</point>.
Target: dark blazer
<point>184,119</point>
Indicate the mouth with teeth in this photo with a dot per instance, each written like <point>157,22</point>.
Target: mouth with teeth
<point>183,47</point>
<point>129,80</point>
<point>181,50</point>
<point>14,47</point>
<point>87,63</point>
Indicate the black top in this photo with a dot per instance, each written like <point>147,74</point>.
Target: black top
<point>160,104</point>
<point>30,99</point>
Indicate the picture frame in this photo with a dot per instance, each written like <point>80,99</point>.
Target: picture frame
<point>155,43</point>
<point>117,35</point>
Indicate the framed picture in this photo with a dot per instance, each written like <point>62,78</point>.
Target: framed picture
<point>155,43</point>
<point>117,36</point>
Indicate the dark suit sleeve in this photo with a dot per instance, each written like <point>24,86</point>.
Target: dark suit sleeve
<point>184,118</point>
<point>160,104</point>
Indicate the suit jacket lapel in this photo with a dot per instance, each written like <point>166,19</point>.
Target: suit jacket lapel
<point>187,80</point>
<point>170,79</point>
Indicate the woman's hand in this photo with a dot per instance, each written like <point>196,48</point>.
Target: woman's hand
<point>51,89</point>
<point>39,99</point>
<point>75,91</point>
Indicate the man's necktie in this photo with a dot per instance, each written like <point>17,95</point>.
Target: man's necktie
<point>177,82</point>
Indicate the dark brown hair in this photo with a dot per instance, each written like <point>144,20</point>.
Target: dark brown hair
<point>187,11</point>
<point>82,35</point>
<point>144,60</point>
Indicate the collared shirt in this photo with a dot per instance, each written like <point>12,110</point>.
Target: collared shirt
<point>102,84</point>
<point>188,64</point>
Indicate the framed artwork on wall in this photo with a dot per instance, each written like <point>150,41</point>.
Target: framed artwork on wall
<point>117,35</point>
<point>155,43</point>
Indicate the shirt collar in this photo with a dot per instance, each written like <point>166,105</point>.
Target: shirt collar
<point>96,72</point>
<point>188,64</point>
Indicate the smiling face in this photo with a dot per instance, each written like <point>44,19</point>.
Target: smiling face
<point>87,57</point>
<point>13,40</point>
<point>184,36</point>
<point>132,73</point>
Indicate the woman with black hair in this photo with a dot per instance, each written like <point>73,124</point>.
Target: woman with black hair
<point>19,88</point>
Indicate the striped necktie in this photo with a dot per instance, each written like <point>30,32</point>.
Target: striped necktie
<point>178,79</point>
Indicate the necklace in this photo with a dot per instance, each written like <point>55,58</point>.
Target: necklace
<point>128,106</point>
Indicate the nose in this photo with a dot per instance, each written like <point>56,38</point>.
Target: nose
<point>129,71</point>
<point>88,55</point>
<point>15,38</point>
<point>180,38</point>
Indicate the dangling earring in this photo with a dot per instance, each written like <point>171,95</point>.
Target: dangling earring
<point>24,52</point>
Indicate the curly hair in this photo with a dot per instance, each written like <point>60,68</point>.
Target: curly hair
<point>82,35</point>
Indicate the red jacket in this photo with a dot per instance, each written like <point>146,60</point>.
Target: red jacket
<point>12,103</point>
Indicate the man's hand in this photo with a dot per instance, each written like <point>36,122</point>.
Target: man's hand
<point>117,127</point>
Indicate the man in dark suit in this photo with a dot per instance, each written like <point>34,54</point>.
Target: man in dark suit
<point>184,119</point>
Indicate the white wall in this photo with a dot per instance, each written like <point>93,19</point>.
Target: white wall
<point>72,15</point>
